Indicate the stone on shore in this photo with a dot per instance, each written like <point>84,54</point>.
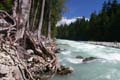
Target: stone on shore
<point>64,70</point>
<point>57,50</point>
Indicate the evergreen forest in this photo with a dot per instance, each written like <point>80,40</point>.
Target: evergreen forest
<point>102,26</point>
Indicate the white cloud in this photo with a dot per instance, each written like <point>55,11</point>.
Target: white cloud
<point>67,21</point>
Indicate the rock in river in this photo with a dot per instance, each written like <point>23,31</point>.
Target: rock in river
<point>89,59</point>
<point>79,57</point>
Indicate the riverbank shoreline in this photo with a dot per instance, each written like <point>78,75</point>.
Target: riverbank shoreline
<point>102,43</point>
<point>107,44</point>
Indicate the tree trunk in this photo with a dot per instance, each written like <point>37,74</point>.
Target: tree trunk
<point>49,22</point>
<point>21,12</point>
<point>35,14</point>
<point>41,21</point>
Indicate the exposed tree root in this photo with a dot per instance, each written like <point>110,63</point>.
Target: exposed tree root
<point>42,64</point>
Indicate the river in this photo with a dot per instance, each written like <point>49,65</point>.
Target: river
<point>107,67</point>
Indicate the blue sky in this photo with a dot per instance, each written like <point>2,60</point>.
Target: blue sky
<point>77,8</point>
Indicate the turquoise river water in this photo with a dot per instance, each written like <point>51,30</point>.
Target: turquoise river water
<point>107,67</point>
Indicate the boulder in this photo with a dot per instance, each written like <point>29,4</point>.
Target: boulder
<point>79,57</point>
<point>30,51</point>
<point>64,70</point>
<point>57,50</point>
<point>89,59</point>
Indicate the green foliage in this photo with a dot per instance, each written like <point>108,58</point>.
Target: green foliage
<point>6,5</point>
<point>57,8</point>
<point>104,26</point>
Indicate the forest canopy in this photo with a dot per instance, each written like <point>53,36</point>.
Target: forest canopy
<point>102,26</point>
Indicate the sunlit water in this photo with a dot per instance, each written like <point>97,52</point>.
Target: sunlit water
<point>105,68</point>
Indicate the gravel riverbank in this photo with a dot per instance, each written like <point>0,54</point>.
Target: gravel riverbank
<point>108,44</point>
